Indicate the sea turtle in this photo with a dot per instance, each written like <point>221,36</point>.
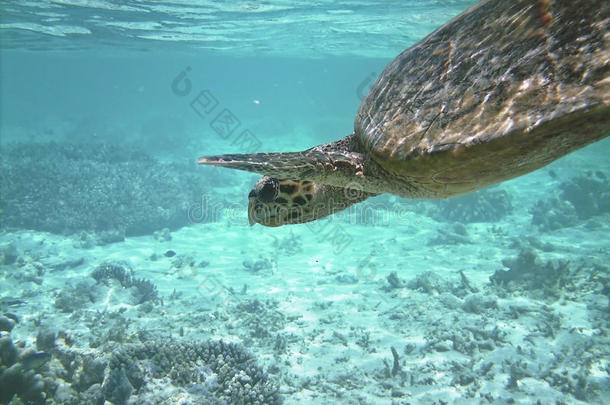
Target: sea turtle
<point>501,90</point>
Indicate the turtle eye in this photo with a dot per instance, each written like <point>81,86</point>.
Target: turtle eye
<point>268,191</point>
<point>252,194</point>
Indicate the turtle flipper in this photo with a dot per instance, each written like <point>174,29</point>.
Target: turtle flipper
<point>279,165</point>
<point>334,167</point>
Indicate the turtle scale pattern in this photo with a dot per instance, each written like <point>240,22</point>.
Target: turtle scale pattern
<point>497,92</point>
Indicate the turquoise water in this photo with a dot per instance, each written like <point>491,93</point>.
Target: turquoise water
<point>123,264</point>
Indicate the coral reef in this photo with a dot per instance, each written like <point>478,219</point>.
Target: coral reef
<point>553,213</point>
<point>487,205</point>
<point>259,320</point>
<point>135,291</point>
<point>67,188</point>
<point>154,372</point>
<point>589,194</point>
<point>211,373</point>
<point>581,198</point>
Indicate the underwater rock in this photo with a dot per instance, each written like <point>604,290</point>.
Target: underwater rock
<point>477,303</point>
<point>488,205</point>
<point>117,388</point>
<point>66,188</point>
<point>450,301</point>
<point>91,373</point>
<point>18,377</point>
<point>8,251</point>
<point>394,282</point>
<point>73,298</point>
<point>45,340</point>
<point>8,351</point>
<point>6,324</point>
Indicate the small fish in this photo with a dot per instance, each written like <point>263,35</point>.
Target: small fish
<point>34,360</point>
<point>170,253</point>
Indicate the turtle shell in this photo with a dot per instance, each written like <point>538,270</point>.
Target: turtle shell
<point>503,89</point>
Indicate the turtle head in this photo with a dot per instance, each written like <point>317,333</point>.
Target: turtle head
<point>300,187</point>
<point>273,202</point>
